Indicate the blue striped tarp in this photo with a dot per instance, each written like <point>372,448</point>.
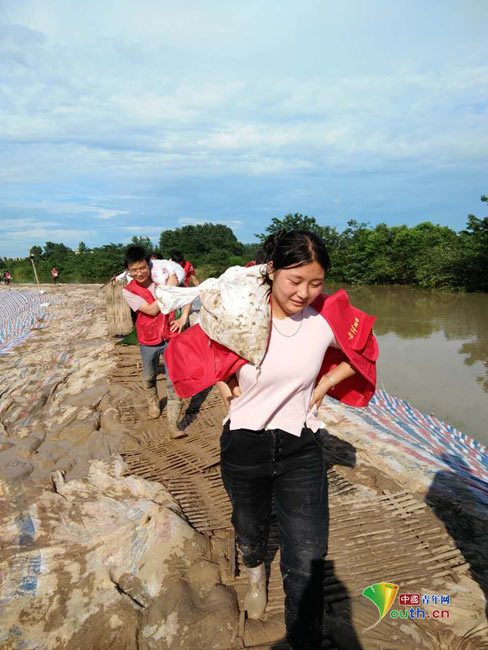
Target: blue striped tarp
<point>437,445</point>
<point>20,313</point>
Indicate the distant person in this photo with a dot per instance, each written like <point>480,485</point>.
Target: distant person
<point>154,330</point>
<point>177,256</point>
<point>54,274</point>
<point>8,278</point>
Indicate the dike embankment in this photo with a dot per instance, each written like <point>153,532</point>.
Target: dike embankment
<point>115,537</point>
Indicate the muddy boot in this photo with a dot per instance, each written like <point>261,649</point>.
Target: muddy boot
<point>151,392</point>
<point>255,599</point>
<point>173,412</point>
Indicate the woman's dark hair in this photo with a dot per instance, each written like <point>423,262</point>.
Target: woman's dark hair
<point>287,249</point>
<point>134,254</point>
<point>177,256</point>
<point>261,256</point>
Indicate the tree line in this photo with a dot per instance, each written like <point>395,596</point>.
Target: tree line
<point>426,255</point>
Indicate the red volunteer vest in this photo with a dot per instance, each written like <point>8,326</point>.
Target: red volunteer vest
<point>195,362</point>
<point>189,271</point>
<point>151,330</point>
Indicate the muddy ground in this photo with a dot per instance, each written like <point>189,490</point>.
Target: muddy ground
<point>116,537</point>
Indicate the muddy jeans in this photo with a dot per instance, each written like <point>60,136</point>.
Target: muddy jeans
<point>258,466</point>
<point>150,361</point>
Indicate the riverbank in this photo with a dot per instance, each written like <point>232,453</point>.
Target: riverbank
<point>407,503</point>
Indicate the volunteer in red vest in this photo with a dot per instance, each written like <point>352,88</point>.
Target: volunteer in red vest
<point>154,330</point>
<point>177,257</point>
<point>271,446</point>
<point>54,274</point>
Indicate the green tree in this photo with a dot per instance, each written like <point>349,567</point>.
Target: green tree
<point>473,269</point>
<point>295,221</point>
<point>145,242</point>
<point>350,257</point>
<point>36,253</point>
<point>52,250</point>
<point>197,242</point>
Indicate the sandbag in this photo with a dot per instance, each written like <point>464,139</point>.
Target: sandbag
<point>162,269</point>
<point>160,272</point>
<point>81,563</point>
<point>235,309</point>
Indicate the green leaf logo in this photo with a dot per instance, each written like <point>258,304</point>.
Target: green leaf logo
<point>383,595</point>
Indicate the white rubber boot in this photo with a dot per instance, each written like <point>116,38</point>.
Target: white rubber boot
<point>173,412</point>
<point>255,599</point>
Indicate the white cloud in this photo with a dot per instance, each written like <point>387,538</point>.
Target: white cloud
<point>354,122</point>
<point>64,208</point>
<point>49,234</point>
<point>137,99</point>
<point>138,230</point>
<point>103,213</point>
<point>19,234</point>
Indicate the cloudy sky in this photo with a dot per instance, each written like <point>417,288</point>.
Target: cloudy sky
<point>123,118</point>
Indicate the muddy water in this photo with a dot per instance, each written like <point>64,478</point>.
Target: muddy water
<point>433,351</point>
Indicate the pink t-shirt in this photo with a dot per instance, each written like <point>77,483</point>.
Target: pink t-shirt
<point>278,397</point>
<point>134,301</point>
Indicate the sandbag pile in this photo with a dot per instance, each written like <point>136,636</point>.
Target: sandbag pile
<point>92,559</point>
<point>57,409</point>
<point>107,562</point>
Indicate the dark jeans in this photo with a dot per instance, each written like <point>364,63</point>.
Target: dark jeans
<point>257,466</point>
<point>150,361</point>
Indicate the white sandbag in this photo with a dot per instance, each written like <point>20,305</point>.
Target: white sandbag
<point>235,309</point>
<point>125,277</point>
<point>160,272</point>
<point>162,269</point>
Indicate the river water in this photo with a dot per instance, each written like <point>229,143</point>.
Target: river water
<point>433,351</point>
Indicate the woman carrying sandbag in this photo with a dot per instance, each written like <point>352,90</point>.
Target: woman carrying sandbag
<point>270,445</point>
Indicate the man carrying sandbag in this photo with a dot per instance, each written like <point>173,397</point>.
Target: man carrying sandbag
<point>154,330</point>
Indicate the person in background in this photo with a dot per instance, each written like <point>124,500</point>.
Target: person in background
<point>177,257</point>
<point>260,258</point>
<point>154,330</point>
<point>54,274</point>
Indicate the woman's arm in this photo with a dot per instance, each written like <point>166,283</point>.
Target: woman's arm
<point>343,371</point>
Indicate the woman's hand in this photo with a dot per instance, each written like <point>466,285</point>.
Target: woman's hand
<point>327,382</point>
<point>321,390</point>
<point>234,387</point>
<point>178,324</point>
<point>228,390</point>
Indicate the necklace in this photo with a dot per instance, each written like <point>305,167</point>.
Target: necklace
<point>288,336</point>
